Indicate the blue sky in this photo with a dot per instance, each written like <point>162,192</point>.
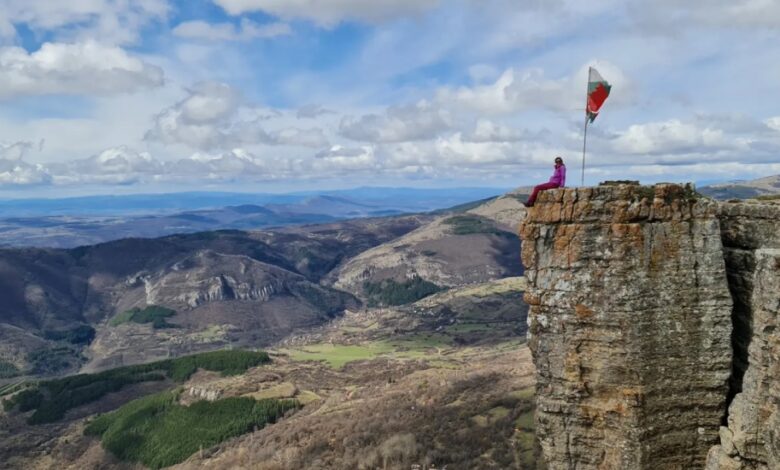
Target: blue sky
<point>119,96</point>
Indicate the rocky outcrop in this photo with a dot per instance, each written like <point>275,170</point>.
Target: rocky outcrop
<point>751,439</point>
<point>629,326</point>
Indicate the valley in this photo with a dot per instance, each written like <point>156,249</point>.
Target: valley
<point>388,365</point>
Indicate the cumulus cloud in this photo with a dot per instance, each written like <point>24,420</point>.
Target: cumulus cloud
<point>517,90</point>
<point>83,68</point>
<point>110,21</point>
<point>19,173</point>
<point>237,163</point>
<point>339,158</point>
<point>674,137</point>
<point>245,31</point>
<point>214,116</point>
<point>399,123</point>
<point>124,165</point>
<point>773,123</point>
<point>312,111</point>
<point>200,120</point>
<point>331,12</point>
<point>118,165</point>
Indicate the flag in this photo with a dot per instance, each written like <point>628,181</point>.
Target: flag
<point>598,91</point>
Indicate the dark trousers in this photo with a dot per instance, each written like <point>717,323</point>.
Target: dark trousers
<point>537,188</point>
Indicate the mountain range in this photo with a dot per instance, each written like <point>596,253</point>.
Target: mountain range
<point>68,223</point>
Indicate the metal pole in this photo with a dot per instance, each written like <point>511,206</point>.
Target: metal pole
<point>585,133</point>
<point>584,143</point>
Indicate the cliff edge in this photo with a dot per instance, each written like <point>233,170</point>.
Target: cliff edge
<point>641,325</point>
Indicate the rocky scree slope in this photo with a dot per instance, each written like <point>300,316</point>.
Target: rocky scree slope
<point>636,295</point>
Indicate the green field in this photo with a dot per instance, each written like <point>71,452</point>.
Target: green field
<point>51,399</point>
<point>338,355</point>
<point>158,432</point>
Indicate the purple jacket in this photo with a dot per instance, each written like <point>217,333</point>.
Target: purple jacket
<point>559,177</point>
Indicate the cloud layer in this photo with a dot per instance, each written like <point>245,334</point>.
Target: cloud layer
<point>365,92</point>
<point>82,68</point>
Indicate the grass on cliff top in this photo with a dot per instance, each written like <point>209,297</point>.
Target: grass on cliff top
<point>769,197</point>
<point>158,432</point>
<point>153,314</point>
<point>51,399</point>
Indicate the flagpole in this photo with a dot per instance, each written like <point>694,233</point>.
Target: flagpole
<point>585,133</point>
<point>584,143</point>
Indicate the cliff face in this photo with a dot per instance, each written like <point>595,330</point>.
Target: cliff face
<point>751,238</point>
<point>629,326</point>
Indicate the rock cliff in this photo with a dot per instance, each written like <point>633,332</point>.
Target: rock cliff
<point>751,239</point>
<point>636,296</point>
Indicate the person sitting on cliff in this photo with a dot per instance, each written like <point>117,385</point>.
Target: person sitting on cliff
<point>558,180</point>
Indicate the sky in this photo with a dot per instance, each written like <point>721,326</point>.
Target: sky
<point>133,96</point>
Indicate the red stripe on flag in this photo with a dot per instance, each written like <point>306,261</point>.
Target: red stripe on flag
<point>597,98</point>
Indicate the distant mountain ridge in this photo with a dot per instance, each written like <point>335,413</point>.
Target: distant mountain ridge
<point>83,221</point>
<point>767,186</point>
<point>408,199</point>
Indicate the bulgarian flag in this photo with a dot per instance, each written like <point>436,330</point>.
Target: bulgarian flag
<point>598,91</point>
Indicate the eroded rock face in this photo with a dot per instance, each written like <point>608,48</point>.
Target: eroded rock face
<point>751,238</point>
<point>629,326</point>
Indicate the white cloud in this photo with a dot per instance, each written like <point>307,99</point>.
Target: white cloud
<point>294,136</point>
<point>214,116</point>
<point>245,31</point>
<point>338,159</point>
<point>110,21</point>
<point>236,163</point>
<point>19,173</point>
<point>399,123</point>
<point>331,12</point>
<point>123,165</point>
<point>84,68</point>
<point>483,72</point>
<point>118,165</point>
<point>516,91</point>
<point>673,137</point>
<point>200,120</point>
<point>773,123</point>
<point>489,131</point>
<point>312,111</point>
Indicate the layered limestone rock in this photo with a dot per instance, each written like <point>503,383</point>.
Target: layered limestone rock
<point>629,326</point>
<point>751,238</point>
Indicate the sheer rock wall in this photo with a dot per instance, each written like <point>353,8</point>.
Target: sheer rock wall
<point>751,239</point>
<point>629,326</point>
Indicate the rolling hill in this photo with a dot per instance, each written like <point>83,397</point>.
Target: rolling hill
<point>767,186</point>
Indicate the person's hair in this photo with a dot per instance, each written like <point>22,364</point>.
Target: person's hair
<point>559,158</point>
